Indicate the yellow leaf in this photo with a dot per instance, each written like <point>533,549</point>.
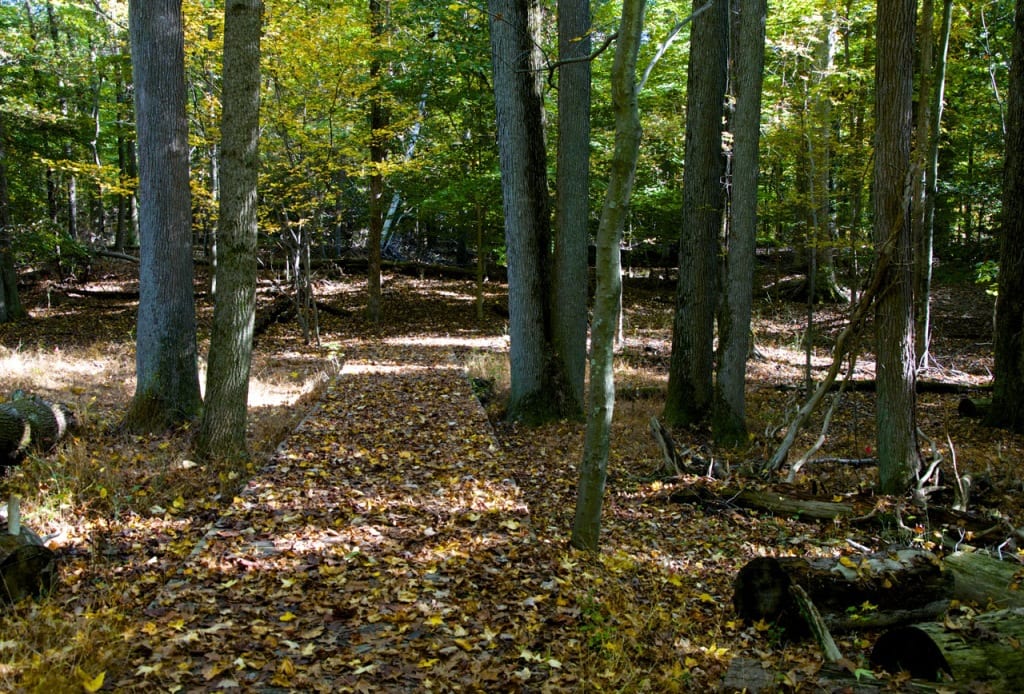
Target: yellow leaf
<point>435,620</point>
<point>286,668</point>
<point>706,597</point>
<point>90,684</point>
<point>287,617</point>
<point>150,628</point>
<point>405,455</point>
<point>510,524</point>
<point>464,644</point>
<point>427,662</point>
<point>847,562</point>
<point>179,502</point>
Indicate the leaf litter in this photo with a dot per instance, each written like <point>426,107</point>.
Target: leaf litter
<point>400,540</point>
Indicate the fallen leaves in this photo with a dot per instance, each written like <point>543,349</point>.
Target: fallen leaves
<point>397,541</point>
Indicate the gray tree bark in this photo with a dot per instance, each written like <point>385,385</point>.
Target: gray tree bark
<point>896,417</point>
<point>593,469</point>
<point>167,376</point>
<point>572,214</point>
<point>691,369</point>
<point>538,390</point>
<point>1008,392</point>
<point>729,420</point>
<point>222,427</point>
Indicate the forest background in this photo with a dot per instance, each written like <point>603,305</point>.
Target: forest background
<point>68,166</point>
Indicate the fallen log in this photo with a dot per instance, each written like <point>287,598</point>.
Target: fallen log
<point>869,591</point>
<point>985,580</point>
<point>789,503</point>
<point>982,653</point>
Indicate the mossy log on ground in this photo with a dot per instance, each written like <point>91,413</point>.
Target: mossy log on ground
<point>983,653</point>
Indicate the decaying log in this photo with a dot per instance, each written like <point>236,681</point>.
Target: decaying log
<point>983,651</point>
<point>868,591</point>
<point>791,503</point>
<point>985,580</point>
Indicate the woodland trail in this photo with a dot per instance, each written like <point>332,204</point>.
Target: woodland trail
<point>367,556</point>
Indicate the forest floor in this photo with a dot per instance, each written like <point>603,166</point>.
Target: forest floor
<point>394,535</point>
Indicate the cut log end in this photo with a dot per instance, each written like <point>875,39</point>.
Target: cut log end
<point>911,650</point>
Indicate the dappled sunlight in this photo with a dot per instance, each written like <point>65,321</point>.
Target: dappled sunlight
<point>467,341</point>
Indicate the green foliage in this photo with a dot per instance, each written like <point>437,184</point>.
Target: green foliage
<point>46,243</point>
<point>986,273</point>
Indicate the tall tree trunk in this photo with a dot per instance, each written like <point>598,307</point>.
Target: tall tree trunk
<point>729,421</point>
<point>167,376</point>
<point>11,307</point>
<point>538,390</point>
<point>569,280</point>
<point>689,396</point>
<point>593,469</point>
<point>924,240</point>
<point>898,458</point>
<point>920,239</point>
<point>378,122</point>
<point>222,427</point>
<point>1008,393</point>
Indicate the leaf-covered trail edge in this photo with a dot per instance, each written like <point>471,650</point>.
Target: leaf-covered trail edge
<point>394,545</point>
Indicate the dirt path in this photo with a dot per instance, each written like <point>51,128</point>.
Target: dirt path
<point>367,556</point>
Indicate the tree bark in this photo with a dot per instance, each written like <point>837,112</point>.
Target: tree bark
<point>730,409</point>
<point>11,307</point>
<point>898,458</point>
<point>1008,392</point>
<point>222,426</point>
<point>378,152</point>
<point>982,654</point>
<point>689,396</point>
<point>601,404</point>
<point>572,214</point>
<point>167,376</point>
<point>985,580</point>
<point>537,389</point>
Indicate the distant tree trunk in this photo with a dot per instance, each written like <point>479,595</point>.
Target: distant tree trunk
<point>815,176</point>
<point>898,458</point>
<point>222,427</point>
<point>925,250</point>
<point>538,390</point>
<point>378,151</point>
<point>689,396</point>
<point>593,469</point>
<point>729,421</point>
<point>1008,392</point>
<point>569,280</point>
<point>10,302</point>
<point>167,376</point>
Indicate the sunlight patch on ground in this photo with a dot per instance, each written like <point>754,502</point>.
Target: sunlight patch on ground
<point>491,343</point>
